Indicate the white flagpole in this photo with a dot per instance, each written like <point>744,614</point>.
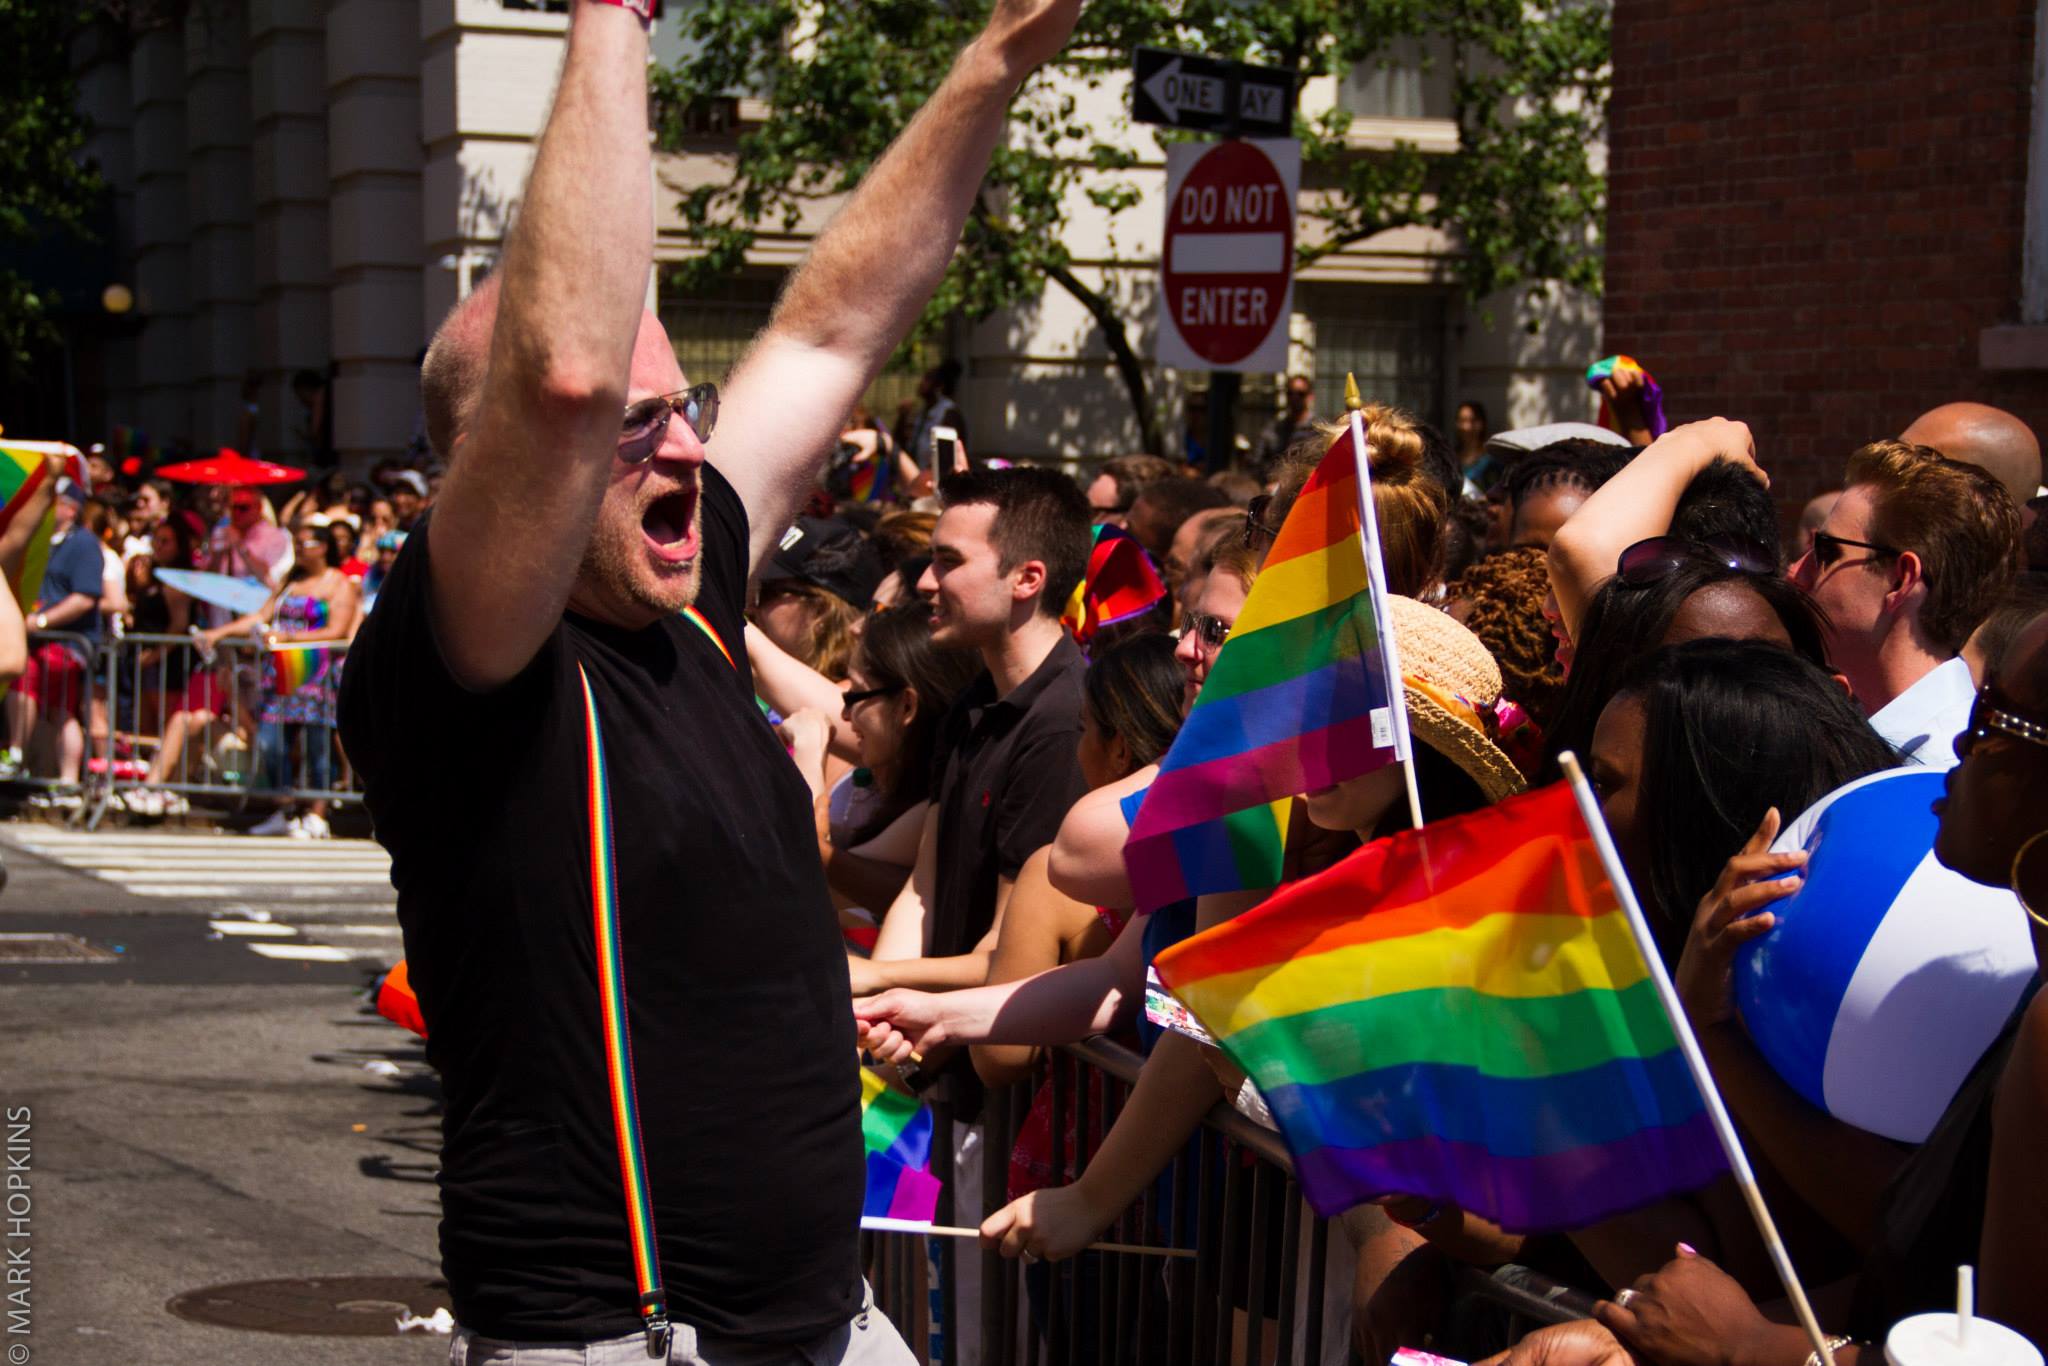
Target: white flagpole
<point>1383,616</point>
<point>880,1223</point>
<point>1695,1061</point>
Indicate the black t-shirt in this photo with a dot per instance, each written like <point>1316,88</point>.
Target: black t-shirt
<point>1007,776</point>
<point>736,982</point>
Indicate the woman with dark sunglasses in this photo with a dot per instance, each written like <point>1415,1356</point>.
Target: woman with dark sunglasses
<point>869,821</point>
<point>1668,591</point>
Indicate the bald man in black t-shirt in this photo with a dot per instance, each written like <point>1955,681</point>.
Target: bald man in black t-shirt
<point>554,721</point>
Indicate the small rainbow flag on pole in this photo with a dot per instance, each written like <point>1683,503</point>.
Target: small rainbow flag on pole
<point>1460,1013</point>
<point>1120,584</point>
<point>295,665</point>
<point>1297,700</point>
<point>897,1132</point>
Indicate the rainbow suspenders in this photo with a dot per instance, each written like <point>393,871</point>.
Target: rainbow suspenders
<point>618,1042</point>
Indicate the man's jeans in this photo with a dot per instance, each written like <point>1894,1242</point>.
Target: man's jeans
<point>869,1340</point>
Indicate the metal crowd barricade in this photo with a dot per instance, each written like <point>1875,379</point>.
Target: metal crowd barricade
<point>90,690</point>
<point>185,724</point>
<point>1255,1291</point>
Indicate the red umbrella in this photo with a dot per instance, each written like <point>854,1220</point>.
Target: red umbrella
<point>231,467</point>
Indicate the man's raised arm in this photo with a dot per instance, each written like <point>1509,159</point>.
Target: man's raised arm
<point>870,272</point>
<point>532,445</point>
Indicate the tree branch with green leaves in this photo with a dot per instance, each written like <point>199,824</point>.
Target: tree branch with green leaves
<point>1521,197</point>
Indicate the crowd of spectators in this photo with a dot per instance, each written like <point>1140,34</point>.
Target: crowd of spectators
<point>976,771</point>
<point>187,713</point>
<point>975,768</point>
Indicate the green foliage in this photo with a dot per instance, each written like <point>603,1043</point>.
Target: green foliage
<point>43,186</point>
<point>1529,82</point>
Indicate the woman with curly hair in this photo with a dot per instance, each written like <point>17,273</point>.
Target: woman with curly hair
<point>1500,600</point>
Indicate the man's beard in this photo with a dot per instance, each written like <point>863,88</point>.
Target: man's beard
<point>615,561</point>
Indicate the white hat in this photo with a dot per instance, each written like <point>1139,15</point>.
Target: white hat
<point>1524,439</point>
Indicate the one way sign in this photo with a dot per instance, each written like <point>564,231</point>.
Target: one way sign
<point>1207,94</point>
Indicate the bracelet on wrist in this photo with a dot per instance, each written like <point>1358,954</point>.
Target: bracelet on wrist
<point>1835,1344</point>
<point>648,10</point>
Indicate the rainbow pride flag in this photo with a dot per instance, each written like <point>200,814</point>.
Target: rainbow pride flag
<point>24,468</point>
<point>897,1131</point>
<point>1653,392</point>
<point>1296,700</point>
<point>1120,584</point>
<point>870,480</point>
<point>1459,1013</point>
<point>295,665</point>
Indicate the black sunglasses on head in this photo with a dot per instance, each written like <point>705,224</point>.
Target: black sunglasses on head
<point>1255,528</point>
<point>645,425</point>
<point>1658,558</point>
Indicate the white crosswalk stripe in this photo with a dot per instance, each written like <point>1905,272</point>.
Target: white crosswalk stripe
<point>251,868</point>
<point>325,901</point>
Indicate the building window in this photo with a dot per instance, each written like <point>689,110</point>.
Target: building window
<point>1411,79</point>
<point>711,329</point>
<point>1393,340</point>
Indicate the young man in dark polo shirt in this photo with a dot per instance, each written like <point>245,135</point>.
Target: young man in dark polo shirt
<point>1006,555</point>
<point>554,720</point>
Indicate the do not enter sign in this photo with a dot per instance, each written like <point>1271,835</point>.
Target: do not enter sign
<point>1227,265</point>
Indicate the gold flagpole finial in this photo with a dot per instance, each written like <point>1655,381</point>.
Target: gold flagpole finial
<point>1352,402</point>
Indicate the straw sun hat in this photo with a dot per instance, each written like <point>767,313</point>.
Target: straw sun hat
<point>1450,680</point>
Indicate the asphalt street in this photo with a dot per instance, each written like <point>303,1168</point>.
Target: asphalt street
<point>187,1112</point>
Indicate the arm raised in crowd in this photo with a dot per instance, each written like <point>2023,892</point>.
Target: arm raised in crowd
<point>1637,504</point>
<point>526,475</point>
<point>789,685</point>
<point>871,272</point>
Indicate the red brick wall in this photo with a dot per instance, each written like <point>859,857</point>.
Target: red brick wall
<point>1815,207</point>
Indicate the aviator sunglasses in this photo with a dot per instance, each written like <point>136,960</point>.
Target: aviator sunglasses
<point>645,425</point>
<point>1212,631</point>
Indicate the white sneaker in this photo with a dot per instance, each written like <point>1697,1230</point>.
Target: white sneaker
<point>173,803</point>
<point>311,827</point>
<point>142,801</point>
<point>277,823</point>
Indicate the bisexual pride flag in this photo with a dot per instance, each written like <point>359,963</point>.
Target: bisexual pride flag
<point>897,1132</point>
<point>1298,699</point>
<point>1460,1013</point>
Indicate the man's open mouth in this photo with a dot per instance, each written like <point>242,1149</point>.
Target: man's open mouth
<point>669,524</point>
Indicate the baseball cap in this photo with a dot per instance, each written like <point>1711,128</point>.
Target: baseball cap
<point>412,479</point>
<point>71,490</point>
<point>827,554</point>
